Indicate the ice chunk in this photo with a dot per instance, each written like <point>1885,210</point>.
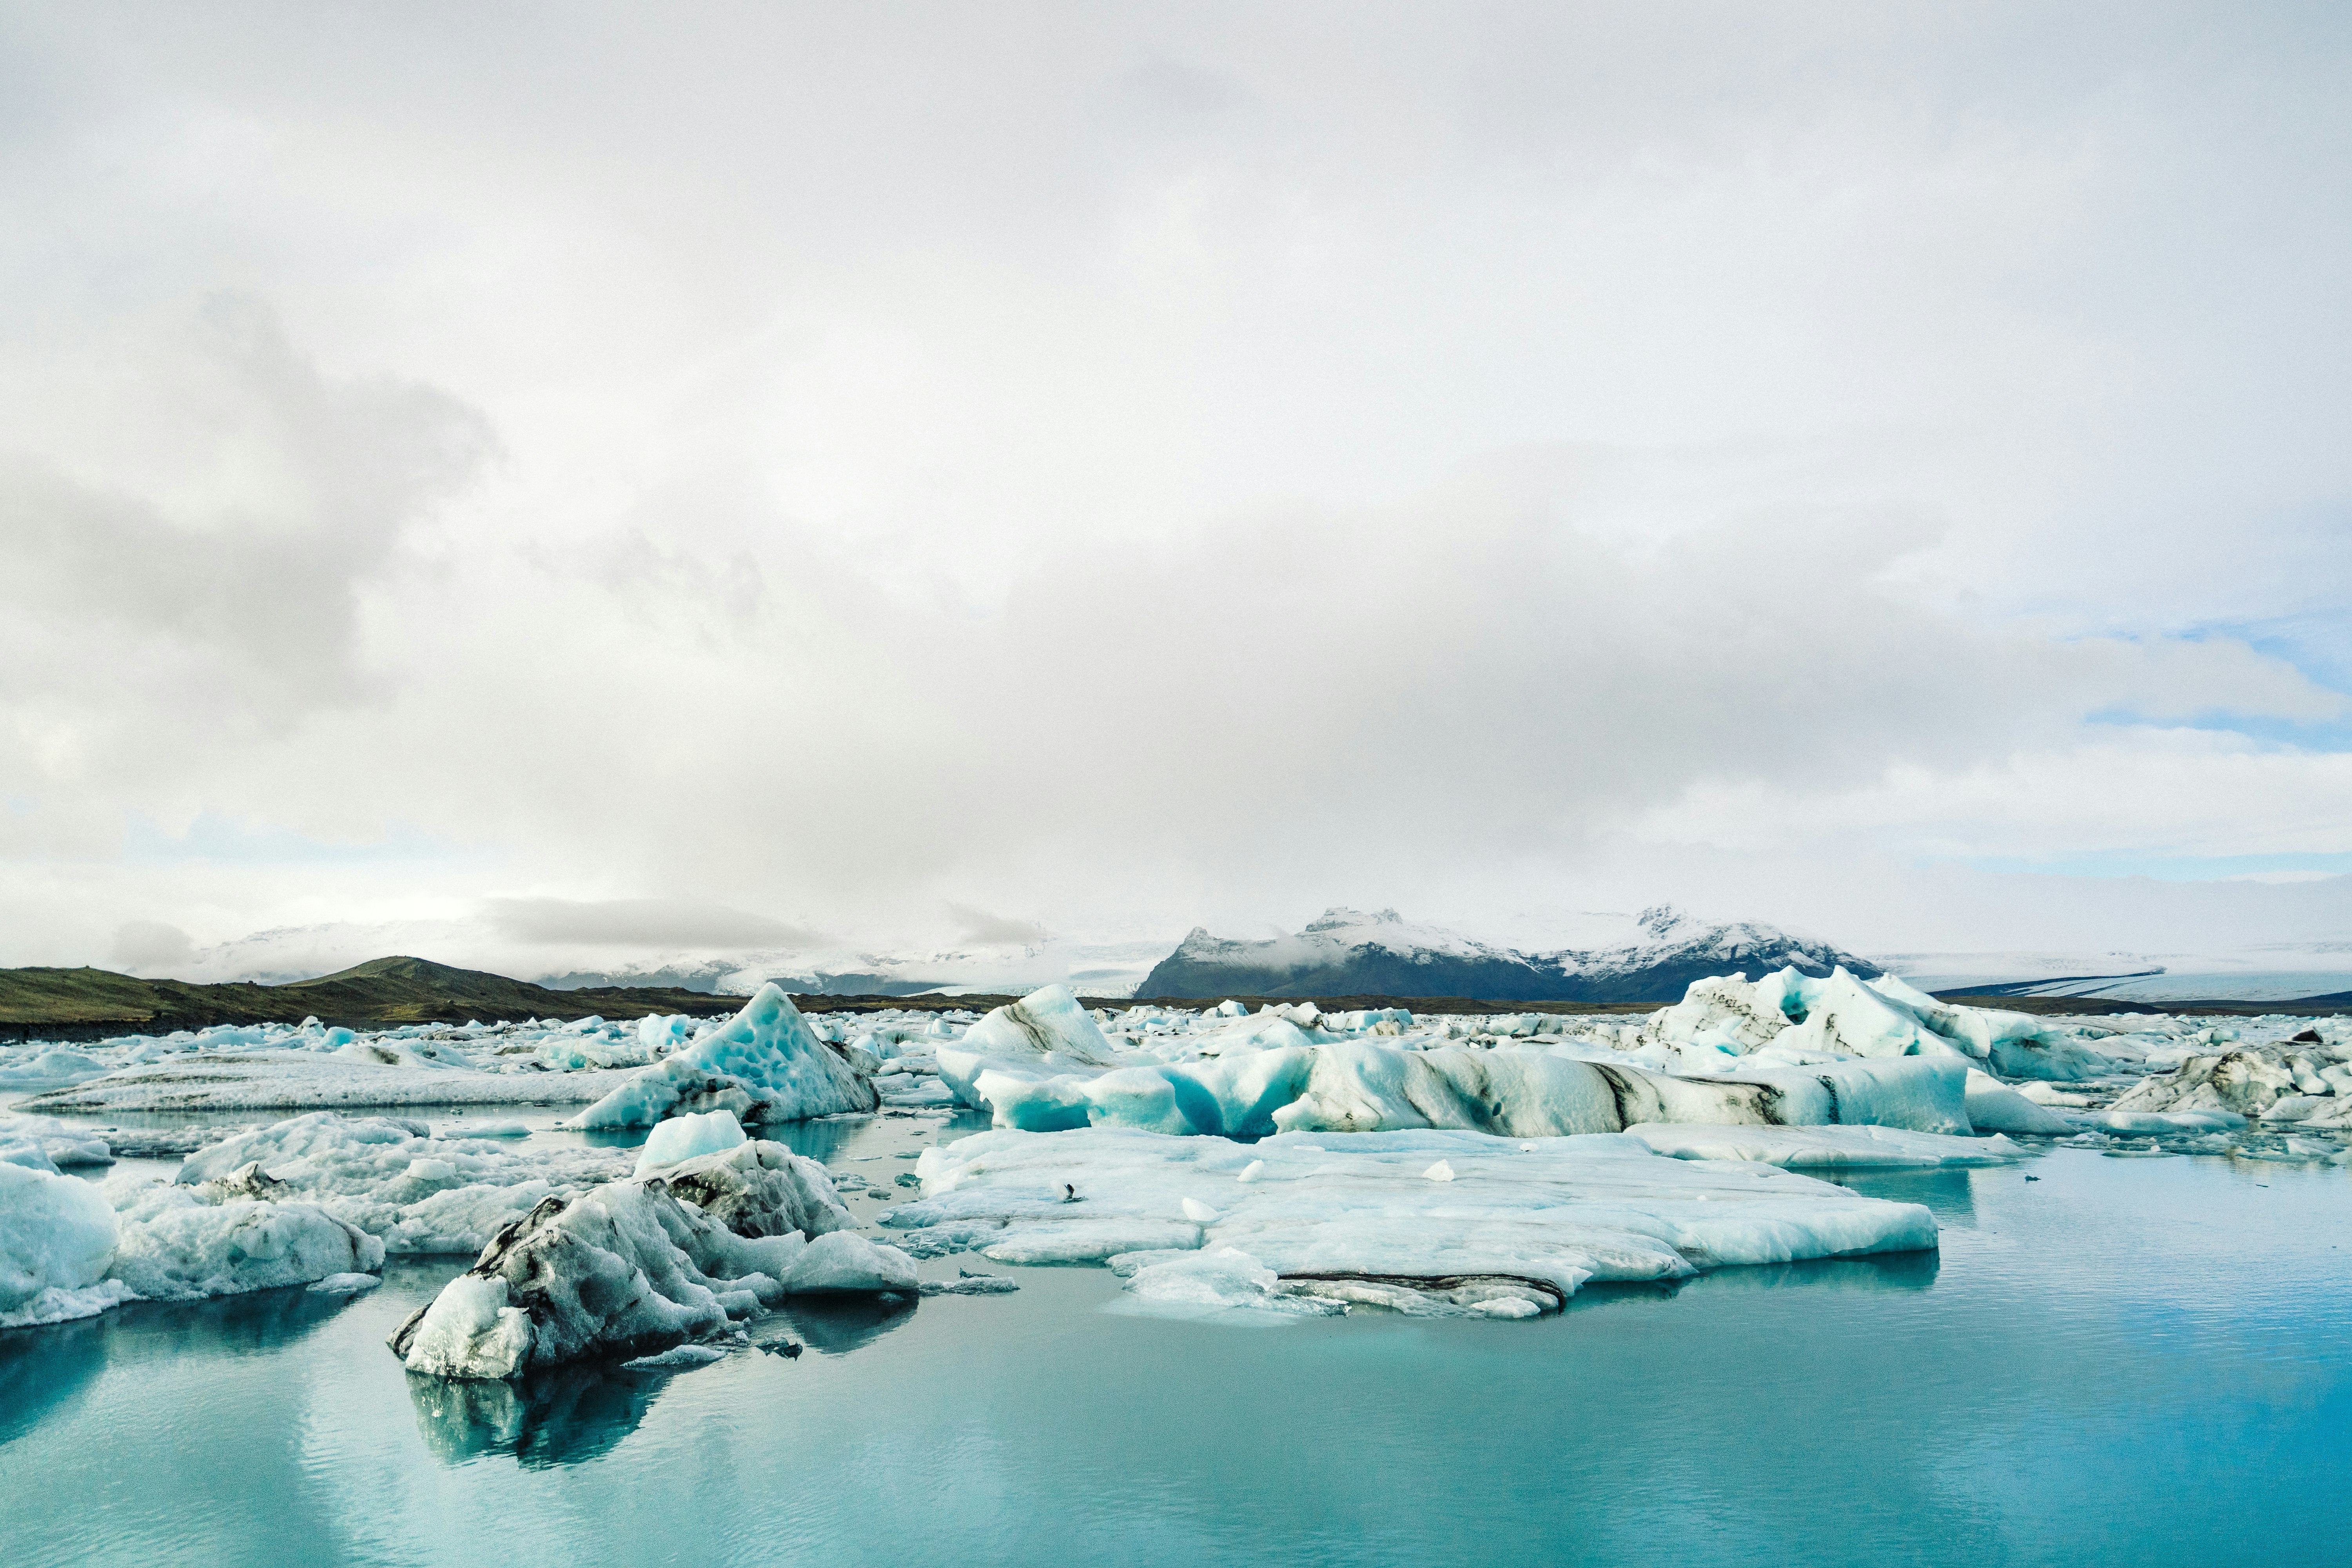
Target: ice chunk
<point>1994,1107</point>
<point>684,1137</point>
<point>676,1358</point>
<point>2157,1120</point>
<point>56,1236</point>
<point>346,1284</point>
<point>1048,1022</point>
<point>1441,1171</point>
<point>762,1065</point>
<point>640,1265</point>
<point>50,1070</point>
<point>46,1143</point>
<point>175,1247</point>
<point>1224,1281</point>
<point>846,1263</point>
<point>2241,1082</point>
<point>761,1189</point>
<point>1199,1212</point>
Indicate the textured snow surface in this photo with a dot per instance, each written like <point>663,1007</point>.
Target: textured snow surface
<point>176,1247</point>
<point>390,1177</point>
<point>640,1266</point>
<point>763,1065</point>
<point>1547,1214</point>
<point>56,1238</point>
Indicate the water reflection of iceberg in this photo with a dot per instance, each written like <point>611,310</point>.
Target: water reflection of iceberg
<point>1880,1272</point>
<point>835,1325</point>
<point>42,1368</point>
<point>582,1409</point>
<point>560,1416</point>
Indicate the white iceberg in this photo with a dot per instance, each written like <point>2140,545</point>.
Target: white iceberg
<point>762,1065</point>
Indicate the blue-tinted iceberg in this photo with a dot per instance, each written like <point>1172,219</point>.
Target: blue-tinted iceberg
<point>762,1065</point>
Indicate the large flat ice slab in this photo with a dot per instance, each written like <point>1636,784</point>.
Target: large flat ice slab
<point>1552,1212</point>
<point>304,1080</point>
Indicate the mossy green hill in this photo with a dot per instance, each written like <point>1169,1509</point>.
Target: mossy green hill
<point>380,993</point>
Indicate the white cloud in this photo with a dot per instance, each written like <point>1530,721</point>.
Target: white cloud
<point>833,469</point>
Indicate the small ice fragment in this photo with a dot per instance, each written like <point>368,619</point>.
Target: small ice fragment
<point>492,1130</point>
<point>682,1138</point>
<point>1199,1212</point>
<point>1527,1148</point>
<point>1441,1171</point>
<point>676,1356</point>
<point>1253,1170</point>
<point>346,1284</point>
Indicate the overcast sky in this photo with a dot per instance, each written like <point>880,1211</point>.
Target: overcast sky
<point>756,472</point>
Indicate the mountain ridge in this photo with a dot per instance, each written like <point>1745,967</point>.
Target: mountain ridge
<point>1346,949</point>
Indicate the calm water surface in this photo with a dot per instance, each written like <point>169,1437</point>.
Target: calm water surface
<point>2125,1360</point>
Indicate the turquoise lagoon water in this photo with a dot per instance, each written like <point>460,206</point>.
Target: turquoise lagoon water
<point>2135,1360</point>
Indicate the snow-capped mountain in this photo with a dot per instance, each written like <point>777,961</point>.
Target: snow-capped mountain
<point>1346,953</point>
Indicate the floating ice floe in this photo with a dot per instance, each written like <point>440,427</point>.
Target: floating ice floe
<point>762,1065</point>
<point>47,1144</point>
<point>69,1249</point>
<point>51,1070</point>
<point>2311,1085</point>
<point>639,1266</point>
<point>1338,1213</point>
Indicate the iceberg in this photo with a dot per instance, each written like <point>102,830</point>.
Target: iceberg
<point>638,1267</point>
<point>1797,1017</point>
<point>1373,1086</point>
<point>762,1065</point>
